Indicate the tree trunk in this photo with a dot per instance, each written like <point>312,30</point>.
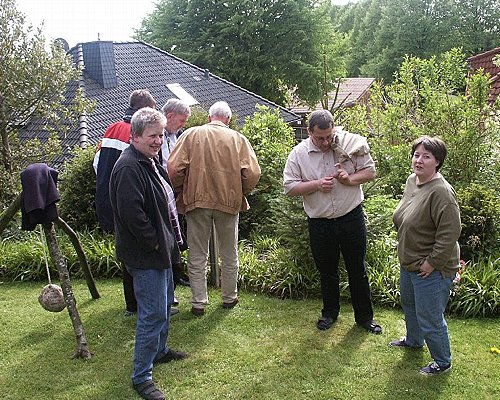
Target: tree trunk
<point>9,213</point>
<point>81,257</point>
<point>82,350</point>
<point>4,135</point>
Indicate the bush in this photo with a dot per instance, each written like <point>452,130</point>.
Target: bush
<point>477,294</point>
<point>24,260</point>
<point>272,140</point>
<point>78,181</point>
<point>379,210</point>
<point>268,267</point>
<point>480,213</point>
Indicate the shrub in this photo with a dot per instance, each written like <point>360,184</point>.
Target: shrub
<point>477,294</point>
<point>268,267</point>
<point>272,140</point>
<point>77,205</point>
<point>379,210</point>
<point>480,213</point>
<point>24,259</point>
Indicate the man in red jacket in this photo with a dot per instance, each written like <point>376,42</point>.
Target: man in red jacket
<point>116,139</point>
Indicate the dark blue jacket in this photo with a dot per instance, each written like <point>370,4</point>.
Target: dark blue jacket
<point>144,234</point>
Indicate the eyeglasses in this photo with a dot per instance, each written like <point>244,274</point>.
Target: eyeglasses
<point>323,139</point>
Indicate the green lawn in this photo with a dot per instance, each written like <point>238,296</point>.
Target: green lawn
<point>264,348</point>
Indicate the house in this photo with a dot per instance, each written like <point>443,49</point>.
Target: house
<point>485,61</point>
<point>351,91</point>
<point>112,70</point>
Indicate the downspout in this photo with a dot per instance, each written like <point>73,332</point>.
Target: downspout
<point>82,119</point>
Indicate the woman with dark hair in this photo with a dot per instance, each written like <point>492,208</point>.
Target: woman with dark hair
<point>427,220</point>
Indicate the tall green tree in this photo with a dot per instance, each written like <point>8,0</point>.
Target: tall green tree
<point>32,85</point>
<point>384,31</point>
<point>266,46</point>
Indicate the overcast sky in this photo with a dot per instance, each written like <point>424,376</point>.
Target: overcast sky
<point>87,20</point>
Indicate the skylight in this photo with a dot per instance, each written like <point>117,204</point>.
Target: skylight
<point>181,94</point>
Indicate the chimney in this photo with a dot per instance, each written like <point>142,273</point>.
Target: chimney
<point>99,61</point>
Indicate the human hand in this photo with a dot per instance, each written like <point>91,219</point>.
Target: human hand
<point>325,184</point>
<point>425,269</point>
<point>342,175</point>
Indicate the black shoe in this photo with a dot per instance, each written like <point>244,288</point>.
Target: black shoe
<point>403,343</point>
<point>128,313</point>
<point>325,323</point>
<point>174,310</point>
<point>231,304</point>
<point>197,311</point>
<point>148,390</point>
<point>184,282</point>
<point>171,355</point>
<point>371,326</point>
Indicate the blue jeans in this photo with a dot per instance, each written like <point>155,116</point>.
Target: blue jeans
<point>329,238</point>
<point>154,291</point>
<point>423,301</point>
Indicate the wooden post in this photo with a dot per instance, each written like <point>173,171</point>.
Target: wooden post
<point>81,257</point>
<point>82,350</point>
<point>213,259</point>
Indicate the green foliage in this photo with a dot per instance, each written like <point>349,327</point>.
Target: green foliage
<point>427,99</point>
<point>266,266</point>
<point>480,214</point>
<point>24,259</point>
<point>78,181</point>
<point>421,28</point>
<point>477,293</point>
<point>382,262</point>
<point>199,117</point>
<point>253,44</point>
<point>379,210</point>
<point>382,265</point>
<point>272,140</point>
<point>33,85</point>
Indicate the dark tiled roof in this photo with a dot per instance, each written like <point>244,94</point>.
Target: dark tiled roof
<point>485,61</point>
<point>138,65</point>
<point>351,91</point>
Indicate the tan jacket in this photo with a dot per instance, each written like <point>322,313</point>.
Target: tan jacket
<point>215,167</point>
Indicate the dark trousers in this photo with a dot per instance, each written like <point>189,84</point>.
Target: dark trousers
<point>346,235</point>
<point>128,291</point>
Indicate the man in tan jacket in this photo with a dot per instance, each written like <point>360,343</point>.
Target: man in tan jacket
<point>213,167</point>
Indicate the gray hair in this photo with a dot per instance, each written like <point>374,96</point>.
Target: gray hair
<point>220,109</point>
<point>323,119</point>
<point>145,117</point>
<point>176,106</point>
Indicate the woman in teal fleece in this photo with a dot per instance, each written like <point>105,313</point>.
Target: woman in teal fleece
<point>427,220</point>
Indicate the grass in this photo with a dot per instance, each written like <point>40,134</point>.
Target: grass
<point>265,348</point>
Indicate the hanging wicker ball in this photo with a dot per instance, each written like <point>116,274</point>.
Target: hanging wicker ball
<point>52,298</point>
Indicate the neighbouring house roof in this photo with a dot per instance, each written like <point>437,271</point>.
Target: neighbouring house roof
<point>351,92</point>
<point>112,70</point>
<point>485,61</point>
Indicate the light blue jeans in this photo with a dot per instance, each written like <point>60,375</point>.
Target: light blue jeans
<point>423,301</point>
<point>154,291</point>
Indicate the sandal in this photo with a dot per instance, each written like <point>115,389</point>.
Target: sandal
<point>372,326</point>
<point>324,323</point>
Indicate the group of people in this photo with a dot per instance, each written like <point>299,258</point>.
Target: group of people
<point>157,176</point>
<point>327,170</point>
<point>151,174</point>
